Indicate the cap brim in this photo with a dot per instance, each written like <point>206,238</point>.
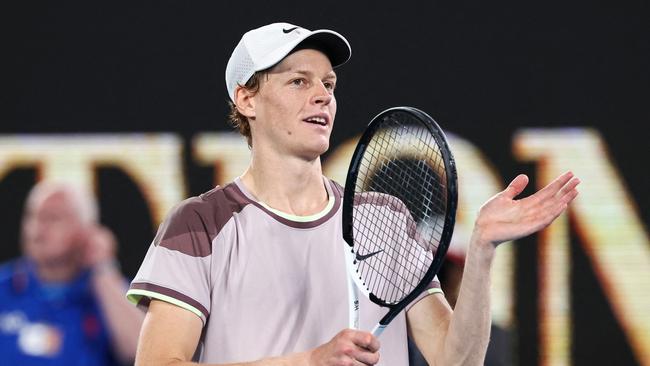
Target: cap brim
<point>331,43</point>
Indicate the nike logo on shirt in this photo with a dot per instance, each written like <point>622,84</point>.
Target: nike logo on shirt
<point>363,257</point>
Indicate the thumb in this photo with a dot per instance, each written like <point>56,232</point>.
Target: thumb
<point>516,186</point>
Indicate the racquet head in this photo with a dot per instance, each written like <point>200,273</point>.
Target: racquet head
<point>399,206</point>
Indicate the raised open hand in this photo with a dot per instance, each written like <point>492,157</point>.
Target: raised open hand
<point>503,218</point>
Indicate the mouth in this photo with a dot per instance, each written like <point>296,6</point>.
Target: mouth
<point>319,119</point>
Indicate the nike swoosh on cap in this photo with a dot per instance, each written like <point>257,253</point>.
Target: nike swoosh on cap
<point>289,30</point>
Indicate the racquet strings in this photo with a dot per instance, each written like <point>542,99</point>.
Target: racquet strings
<point>399,208</point>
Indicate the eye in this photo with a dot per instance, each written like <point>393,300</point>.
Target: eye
<point>329,85</point>
<point>298,82</point>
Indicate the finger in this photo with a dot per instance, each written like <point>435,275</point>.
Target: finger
<point>366,341</point>
<point>367,358</point>
<point>554,187</point>
<point>567,198</point>
<point>516,186</point>
<point>567,194</point>
<point>569,191</point>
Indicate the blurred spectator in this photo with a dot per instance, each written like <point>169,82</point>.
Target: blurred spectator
<point>62,302</point>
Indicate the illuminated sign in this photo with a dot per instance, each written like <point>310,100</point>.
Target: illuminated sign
<point>604,216</point>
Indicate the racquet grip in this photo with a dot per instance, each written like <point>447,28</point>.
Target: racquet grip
<point>379,329</point>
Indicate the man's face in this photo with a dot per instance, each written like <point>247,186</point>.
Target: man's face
<point>295,106</point>
<point>51,228</point>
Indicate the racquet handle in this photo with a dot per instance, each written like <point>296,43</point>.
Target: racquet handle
<point>353,304</point>
<point>378,330</point>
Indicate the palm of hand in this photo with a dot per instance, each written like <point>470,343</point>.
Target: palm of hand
<point>504,218</point>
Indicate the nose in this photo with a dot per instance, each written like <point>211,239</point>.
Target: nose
<point>322,95</point>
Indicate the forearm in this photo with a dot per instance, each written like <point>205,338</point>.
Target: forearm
<point>170,336</point>
<point>502,218</point>
<point>468,333</point>
<point>297,359</point>
<point>123,319</point>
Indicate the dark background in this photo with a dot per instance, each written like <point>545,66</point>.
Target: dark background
<point>481,69</point>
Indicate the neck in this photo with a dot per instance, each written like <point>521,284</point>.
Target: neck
<point>60,271</point>
<point>289,184</point>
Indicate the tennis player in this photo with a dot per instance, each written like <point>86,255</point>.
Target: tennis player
<point>253,272</point>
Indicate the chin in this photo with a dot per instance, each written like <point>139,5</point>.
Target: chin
<point>314,152</point>
<point>322,149</point>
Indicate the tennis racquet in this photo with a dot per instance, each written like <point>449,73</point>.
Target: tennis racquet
<point>399,208</point>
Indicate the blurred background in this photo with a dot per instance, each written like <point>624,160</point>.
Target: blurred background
<point>129,99</point>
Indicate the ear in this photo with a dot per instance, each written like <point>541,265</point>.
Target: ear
<point>245,101</point>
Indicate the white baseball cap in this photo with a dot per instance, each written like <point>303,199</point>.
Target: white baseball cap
<point>263,47</point>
